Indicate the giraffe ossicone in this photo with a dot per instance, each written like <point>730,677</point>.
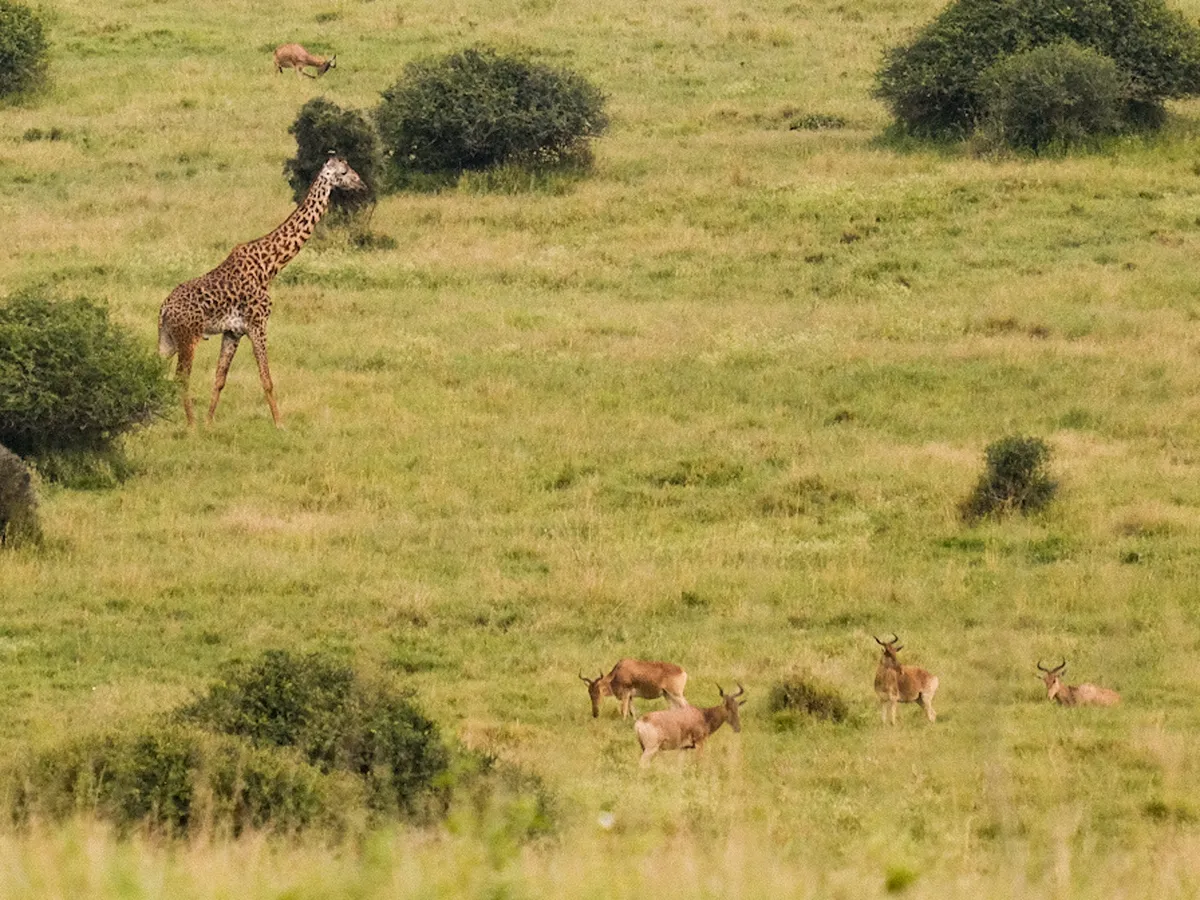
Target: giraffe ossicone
<point>233,301</point>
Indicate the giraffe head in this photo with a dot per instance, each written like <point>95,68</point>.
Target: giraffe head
<point>338,174</point>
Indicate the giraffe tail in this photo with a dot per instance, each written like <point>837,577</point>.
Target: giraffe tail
<point>166,344</point>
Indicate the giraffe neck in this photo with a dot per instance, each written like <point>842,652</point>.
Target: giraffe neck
<point>279,247</point>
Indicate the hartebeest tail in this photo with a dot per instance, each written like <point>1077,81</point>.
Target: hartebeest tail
<point>687,727</point>
<point>631,678</point>
<point>1075,694</point>
<point>896,684</point>
<point>296,57</point>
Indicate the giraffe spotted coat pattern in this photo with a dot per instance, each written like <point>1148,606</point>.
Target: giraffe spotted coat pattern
<point>233,300</point>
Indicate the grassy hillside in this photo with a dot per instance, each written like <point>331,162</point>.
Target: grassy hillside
<point>715,404</point>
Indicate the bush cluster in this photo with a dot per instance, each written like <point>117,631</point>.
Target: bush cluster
<point>18,502</point>
<point>802,696</point>
<point>478,108</point>
<point>24,50</point>
<point>70,380</point>
<point>935,84</point>
<point>285,741</point>
<point>1014,480</point>
<point>321,128</point>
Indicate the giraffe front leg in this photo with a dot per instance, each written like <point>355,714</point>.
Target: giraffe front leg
<point>229,345</point>
<point>258,340</point>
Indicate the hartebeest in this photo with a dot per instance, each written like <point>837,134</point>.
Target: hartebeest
<point>895,683</point>
<point>688,727</point>
<point>1075,694</point>
<point>631,678</point>
<point>297,57</point>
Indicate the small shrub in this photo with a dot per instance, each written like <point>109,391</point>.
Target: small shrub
<point>335,721</point>
<point>1056,95</point>
<point>802,695</point>
<point>477,108</point>
<point>70,380</point>
<point>1015,479</point>
<point>18,503</point>
<point>933,84</point>
<point>24,50</point>
<point>322,127</point>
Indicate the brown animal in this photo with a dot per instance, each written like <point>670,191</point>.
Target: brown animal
<point>895,683</point>
<point>687,727</point>
<point>631,678</point>
<point>1075,694</point>
<point>232,299</point>
<point>297,57</point>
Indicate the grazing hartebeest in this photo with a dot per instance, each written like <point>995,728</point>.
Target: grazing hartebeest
<point>1075,694</point>
<point>297,57</point>
<point>631,678</point>
<point>687,727</point>
<point>895,683</point>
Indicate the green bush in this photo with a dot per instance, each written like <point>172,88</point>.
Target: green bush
<point>933,86</point>
<point>477,108</point>
<point>176,781</point>
<point>24,50</point>
<point>70,380</point>
<point>18,503</point>
<point>336,721</point>
<point>1015,479</point>
<point>802,695</point>
<point>322,127</point>
<point>1056,95</point>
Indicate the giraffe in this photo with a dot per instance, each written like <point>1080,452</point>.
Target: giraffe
<point>232,300</point>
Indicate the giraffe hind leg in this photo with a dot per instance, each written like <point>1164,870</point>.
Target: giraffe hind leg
<point>183,375</point>
<point>229,345</point>
<point>258,341</point>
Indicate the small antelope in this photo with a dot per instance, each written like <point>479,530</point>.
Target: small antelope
<point>687,727</point>
<point>895,683</point>
<point>631,678</point>
<point>297,57</point>
<point>1075,694</point>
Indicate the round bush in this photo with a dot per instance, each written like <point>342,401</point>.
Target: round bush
<point>322,127</point>
<point>477,108</point>
<point>1055,95</point>
<point>71,380</point>
<point>933,87</point>
<point>23,49</point>
<point>1015,479</point>
<point>18,503</point>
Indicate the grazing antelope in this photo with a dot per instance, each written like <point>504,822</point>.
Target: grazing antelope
<point>1075,694</point>
<point>631,678</point>
<point>687,727</point>
<point>895,683</point>
<point>297,57</point>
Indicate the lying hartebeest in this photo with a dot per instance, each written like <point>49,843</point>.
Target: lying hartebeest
<point>687,727</point>
<point>631,678</point>
<point>1075,694</point>
<point>296,57</point>
<point>895,683</point>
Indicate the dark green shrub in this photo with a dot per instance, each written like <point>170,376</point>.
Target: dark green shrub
<point>335,721</point>
<point>70,380</point>
<point>801,695</point>
<point>18,503</point>
<point>322,127</point>
<point>933,84</point>
<point>24,51</point>
<point>1056,95</point>
<point>176,781</point>
<point>1015,479</point>
<point>477,108</point>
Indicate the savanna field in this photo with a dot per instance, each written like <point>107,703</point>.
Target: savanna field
<point>716,403</point>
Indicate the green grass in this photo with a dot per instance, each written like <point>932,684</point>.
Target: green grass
<point>716,403</point>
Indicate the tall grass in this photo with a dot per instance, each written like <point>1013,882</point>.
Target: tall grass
<point>717,403</point>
